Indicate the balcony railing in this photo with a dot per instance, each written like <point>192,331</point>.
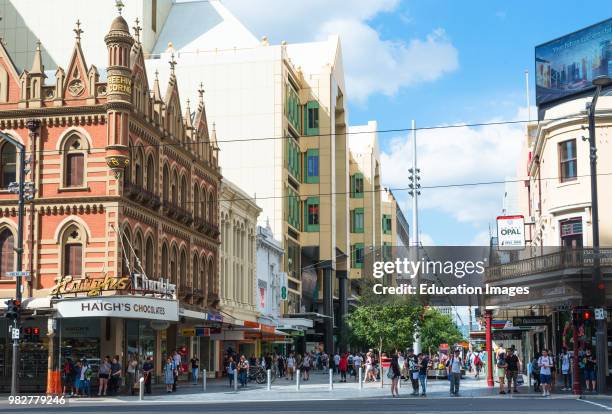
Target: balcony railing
<point>560,260</point>
<point>141,195</point>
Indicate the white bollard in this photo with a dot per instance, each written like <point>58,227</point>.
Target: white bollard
<point>331,379</point>
<point>382,376</point>
<point>360,379</point>
<point>236,379</point>
<point>269,373</point>
<point>297,380</point>
<point>203,380</point>
<point>141,389</point>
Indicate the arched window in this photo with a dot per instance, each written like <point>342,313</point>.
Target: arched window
<point>164,262</point>
<point>212,208</point>
<point>149,258</point>
<point>196,201</point>
<point>151,174</point>
<point>195,272</point>
<point>139,167</point>
<point>183,271</point>
<point>126,253</point>
<point>174,188</point>
<point>166,183</point>
<point>212,290</point>
<point>75,149</point>
<point>203,275</point>
<point>72,248</point>
<point>138,253</point>
<point>8,164</point>
<point>127,173</point>
<point>204,205</point>
<point>7,252</point>
<point>183,193</point>
<point>173,264</point>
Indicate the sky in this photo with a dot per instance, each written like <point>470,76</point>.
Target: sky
<point>439,62</point>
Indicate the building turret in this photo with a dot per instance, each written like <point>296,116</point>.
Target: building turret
<point>119,94</point>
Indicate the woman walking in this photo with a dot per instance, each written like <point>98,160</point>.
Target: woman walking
<point>290,366</point>
<point>395,373</point>
<point>231,367</point>
<point>343,366</point>
<point>501,371</point>
<point>243,369</point>
<point>169,374</point>
<point>132,367</point>
<point>103,375</point>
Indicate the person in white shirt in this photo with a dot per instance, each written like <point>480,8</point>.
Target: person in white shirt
<point>454,365</point>
<point>290,366</point>
<point>357,361</point>
<point>337,362</point>
<point>545,362</point>
<point>565,359</point>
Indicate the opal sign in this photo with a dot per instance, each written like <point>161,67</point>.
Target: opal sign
<point>511,232</point>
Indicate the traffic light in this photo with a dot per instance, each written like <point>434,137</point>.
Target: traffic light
<point>582,315</point>
<point>13,309</point>
<point>27,334</point>
<point>36,334</point>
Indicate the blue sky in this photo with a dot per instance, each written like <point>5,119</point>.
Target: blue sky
<point>440,62</point>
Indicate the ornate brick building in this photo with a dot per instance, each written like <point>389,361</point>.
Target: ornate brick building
<point>125,186</point>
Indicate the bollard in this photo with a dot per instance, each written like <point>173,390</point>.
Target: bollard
<point>360,380</point>
<point>236,379</point>
<point>141,389</point>
<point>331,379</point>
<point>203,380</point>
<point>297,380</point>
<point>382,376</point>
<point>269,373</point>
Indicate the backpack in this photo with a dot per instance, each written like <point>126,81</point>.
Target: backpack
<point>231,368</point>
<point>477,360</point>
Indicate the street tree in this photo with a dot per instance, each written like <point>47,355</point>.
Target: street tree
<point>437,328</point>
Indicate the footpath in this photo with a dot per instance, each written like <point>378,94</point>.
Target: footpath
<point>317,388</point>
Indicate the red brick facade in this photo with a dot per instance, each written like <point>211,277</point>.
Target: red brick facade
<point>164,202</point>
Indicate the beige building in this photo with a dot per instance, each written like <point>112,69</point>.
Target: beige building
<point>237,260</point>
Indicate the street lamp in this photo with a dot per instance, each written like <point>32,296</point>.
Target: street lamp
<point>599,82</point>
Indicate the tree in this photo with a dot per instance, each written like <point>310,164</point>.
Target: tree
<point>437,329</point>
<point>387,326</point>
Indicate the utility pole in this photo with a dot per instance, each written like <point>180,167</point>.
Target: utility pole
<point>24,190</point>
<point>601,340</point>
<point>415,192</point>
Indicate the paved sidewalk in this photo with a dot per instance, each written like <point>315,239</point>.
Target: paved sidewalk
<point>317,388</point>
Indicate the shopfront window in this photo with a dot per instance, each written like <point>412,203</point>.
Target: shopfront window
<point>139,339</point>
<point>80,338</point>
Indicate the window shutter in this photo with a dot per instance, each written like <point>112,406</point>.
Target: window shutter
<point>7,254</point>
<point>352,186</point>
<point>73,260</point>
<point>74,170</point>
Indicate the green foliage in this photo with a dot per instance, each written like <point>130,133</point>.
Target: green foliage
<point>386,326</point>
<point>437,329</point>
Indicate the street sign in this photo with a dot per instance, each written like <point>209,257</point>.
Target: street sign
<point>600,314</point>
<point>510,232</point>
<point>17,274</point>
<point>530,320</point>
<point>15,333</point>
<point>283,286</point>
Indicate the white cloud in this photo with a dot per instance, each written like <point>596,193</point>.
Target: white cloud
<point>426,240</point>
<point>457,156</point>
<point>372,64</point>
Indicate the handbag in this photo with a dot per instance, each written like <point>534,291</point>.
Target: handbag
<point>415,375</point>
<point>390,374</point>
<point>520,380</point>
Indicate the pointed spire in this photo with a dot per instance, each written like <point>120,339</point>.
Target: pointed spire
<point>78,31</point>
<point>137,30</point>
<point>188,121</point>
<point>156,90</point>
<point>201,93</point>
<point>213,137</point>
<point>172,64</point>
<point>37,65</point>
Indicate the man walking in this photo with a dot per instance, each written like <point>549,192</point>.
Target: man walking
<point>512,372</point>
<point>413,370</point>
<point>454,365</point>
<point>545,363</point>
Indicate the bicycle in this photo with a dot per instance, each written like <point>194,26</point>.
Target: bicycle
<point>259,375</point>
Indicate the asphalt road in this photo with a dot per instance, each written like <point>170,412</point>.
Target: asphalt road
<point>369,405</point>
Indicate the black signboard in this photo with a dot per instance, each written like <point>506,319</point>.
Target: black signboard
<point>530,321</point>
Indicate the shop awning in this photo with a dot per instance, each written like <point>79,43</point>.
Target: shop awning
<point>294,324</point>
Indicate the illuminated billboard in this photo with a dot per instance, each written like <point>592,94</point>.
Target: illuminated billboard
<point>568,65</point>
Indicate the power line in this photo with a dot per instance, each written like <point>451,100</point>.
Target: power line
<point>289,136</point>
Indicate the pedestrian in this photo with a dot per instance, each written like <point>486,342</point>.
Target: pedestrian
<point>535,372</point>
<point>395,373</point>
<point>477,364</point>
<point>230,368</point>
<point>177,367</point>
<point>545,363</point>
<point>343,366</point>
<point>147,372</point>
<point>306,364</point>
<point>103,376</point>
<point>513,369</point>
<point>590,364</point>
<point>564,360</point>
<point>337,362</point>
<point>423,367</point>
<point>115,376</point>
<point>412,362</point>
<point>453,366</point>
<point>68,377</point>
<point>369,365</point>
<point>290,366</point>
<point>85,378</point>
<point>357,362</point>
<point>195,368</point>
<point>243,369</point>
<point>280,362</point>
<point>169,370</point>
<point>131,371</point>
<point>77,378</point>
<point>501,371</point>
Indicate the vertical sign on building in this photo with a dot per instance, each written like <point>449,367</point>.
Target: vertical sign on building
<point>283,286</point>
<point>510,232</point>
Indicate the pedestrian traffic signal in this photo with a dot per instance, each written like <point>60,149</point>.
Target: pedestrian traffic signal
<point>13,308</point>
<point>582,315</point>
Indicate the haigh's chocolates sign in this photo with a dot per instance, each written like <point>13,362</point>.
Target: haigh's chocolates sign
<point>137,283</point>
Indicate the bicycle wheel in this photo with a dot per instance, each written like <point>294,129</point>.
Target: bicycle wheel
<point>261,377</point>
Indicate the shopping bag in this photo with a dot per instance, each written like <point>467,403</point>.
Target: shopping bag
<point>519,380</point>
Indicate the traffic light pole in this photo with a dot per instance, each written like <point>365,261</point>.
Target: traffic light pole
<point>601,352</point>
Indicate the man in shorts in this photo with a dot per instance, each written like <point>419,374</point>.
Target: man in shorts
<point>545,362</point>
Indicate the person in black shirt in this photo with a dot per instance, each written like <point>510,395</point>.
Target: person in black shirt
<point>396,373</point>
<point>423,367</point>
<point>589,371</point>
<point>147,370</point>
<point>512,371</point>
<point>195,368</point>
